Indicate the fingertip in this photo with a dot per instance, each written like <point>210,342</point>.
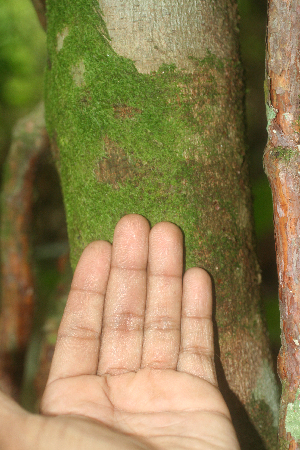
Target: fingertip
<point>92,265</point>
<point>130,242</point>
<point>199,276</point>
<point>166,230</point>
<point>96,248</point>
<point>133,222</point>
<point>166,250</point>
<point>197,291</point>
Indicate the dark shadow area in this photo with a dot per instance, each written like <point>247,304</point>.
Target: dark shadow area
<point>12,365</point>
<point>248,436</point>
<point>253,23</point>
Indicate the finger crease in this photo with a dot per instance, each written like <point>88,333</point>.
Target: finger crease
<point>80,332</point>
<point>130,269</point>
<point>164,275</point>
<point>88,291</point>
<point>163,324</point>
<point>125,322</point>
<point>186,316</point>
<point>199,351</point>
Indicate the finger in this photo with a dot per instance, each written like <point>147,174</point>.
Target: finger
<point>124,309</point>
<point>78,339</point>
<point>197,348</point>
<point>164,291</point>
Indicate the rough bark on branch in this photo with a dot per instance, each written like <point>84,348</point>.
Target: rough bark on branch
<point>282,165</point>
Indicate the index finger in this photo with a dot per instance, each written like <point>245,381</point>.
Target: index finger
<point>78,340</point>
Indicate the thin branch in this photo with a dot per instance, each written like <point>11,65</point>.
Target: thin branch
<point>282,166</point>
<point>17,284</point>
<point>40,7</point>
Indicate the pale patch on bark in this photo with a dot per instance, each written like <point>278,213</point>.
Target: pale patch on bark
<point>77,73</point>
<point>244,214</point>
<point>61,37</point>
<point>264,390</point>
<point>153,33</point>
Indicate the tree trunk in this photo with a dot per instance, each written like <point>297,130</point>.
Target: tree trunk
<point>144,108</point>
<point>282,164</point>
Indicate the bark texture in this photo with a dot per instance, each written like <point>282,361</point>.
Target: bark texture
<point>152,33</point>
<point>144,111</point>
<point>282,164</point>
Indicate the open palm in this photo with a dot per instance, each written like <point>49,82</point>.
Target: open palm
<point>135,345</point>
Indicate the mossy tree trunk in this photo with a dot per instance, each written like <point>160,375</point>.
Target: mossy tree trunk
<point>145,115</point>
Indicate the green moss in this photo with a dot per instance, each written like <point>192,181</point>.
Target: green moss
<point>285,154</point>
<point>167,68</point>
<point>158,120</point>
<point>210,60</point>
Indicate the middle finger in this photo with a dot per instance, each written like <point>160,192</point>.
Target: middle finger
<point>124,307</point>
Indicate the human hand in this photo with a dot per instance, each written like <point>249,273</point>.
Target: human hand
<point>133,365</point>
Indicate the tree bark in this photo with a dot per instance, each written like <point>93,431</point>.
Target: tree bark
<point>144,108</point>
<point>282,165</point>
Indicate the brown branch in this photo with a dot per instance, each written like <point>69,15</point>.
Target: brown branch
<point>29,142</point>
<point>40,8</point>
<point>282,166</point>
<point>283,72</point>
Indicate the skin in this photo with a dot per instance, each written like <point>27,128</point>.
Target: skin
<point>133,366</point>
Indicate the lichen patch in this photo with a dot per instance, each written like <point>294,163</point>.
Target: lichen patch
<point>292,420</point>
<point>264,390</point>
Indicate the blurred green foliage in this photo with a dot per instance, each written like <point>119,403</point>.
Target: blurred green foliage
<point>263,208</point>
<point>22,62</point>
